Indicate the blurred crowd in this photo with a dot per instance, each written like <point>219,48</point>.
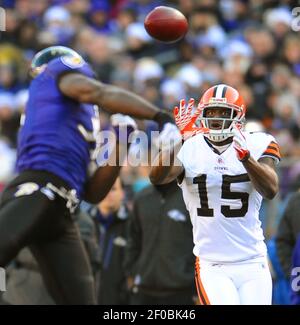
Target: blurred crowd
<point>249,44</point>
<point>253,45</point>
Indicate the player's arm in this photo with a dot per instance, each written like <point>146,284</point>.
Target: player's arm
<point>161,171</point>
<point>164,169</point>
<point>262,172</point>
<point>263,176</point>
<point>104,177</point>
<point>109,97</point>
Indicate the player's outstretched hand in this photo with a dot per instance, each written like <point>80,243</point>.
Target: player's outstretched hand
<point>240,144</point>
<point>123,126</point>
<point>169,134</point>
<point>185,117</point>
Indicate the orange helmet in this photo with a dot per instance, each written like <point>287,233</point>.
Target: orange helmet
<point>222,96</point>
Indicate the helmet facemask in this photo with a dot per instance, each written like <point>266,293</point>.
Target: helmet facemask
<point>35,71</point>
<point>219,128</point>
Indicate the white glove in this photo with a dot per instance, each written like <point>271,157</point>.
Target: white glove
<point>169,133</point>
<point>240,144</point>
<point>123,126</point>
<point>119,120</point>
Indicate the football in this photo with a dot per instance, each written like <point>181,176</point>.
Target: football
<point>166,24</point>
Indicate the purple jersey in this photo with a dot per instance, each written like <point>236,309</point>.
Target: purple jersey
<point>53,136</point>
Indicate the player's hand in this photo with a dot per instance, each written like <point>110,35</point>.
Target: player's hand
<point>123,126</point>
<point>240,144</point>
<point>169,134</point>
<point>185,118</point>
<point>122,120</point>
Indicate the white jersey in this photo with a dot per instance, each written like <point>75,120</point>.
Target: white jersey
<point>222,202</point>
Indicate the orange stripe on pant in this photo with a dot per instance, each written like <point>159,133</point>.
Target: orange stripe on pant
<point>200,288</point>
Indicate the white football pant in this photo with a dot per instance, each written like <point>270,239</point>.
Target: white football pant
<point>246,283</point>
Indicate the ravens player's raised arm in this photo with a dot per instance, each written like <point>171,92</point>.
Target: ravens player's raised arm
<point>101,182</point>
<point>111,98</point>
<point>101,179</point>
<point>162,173</point>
